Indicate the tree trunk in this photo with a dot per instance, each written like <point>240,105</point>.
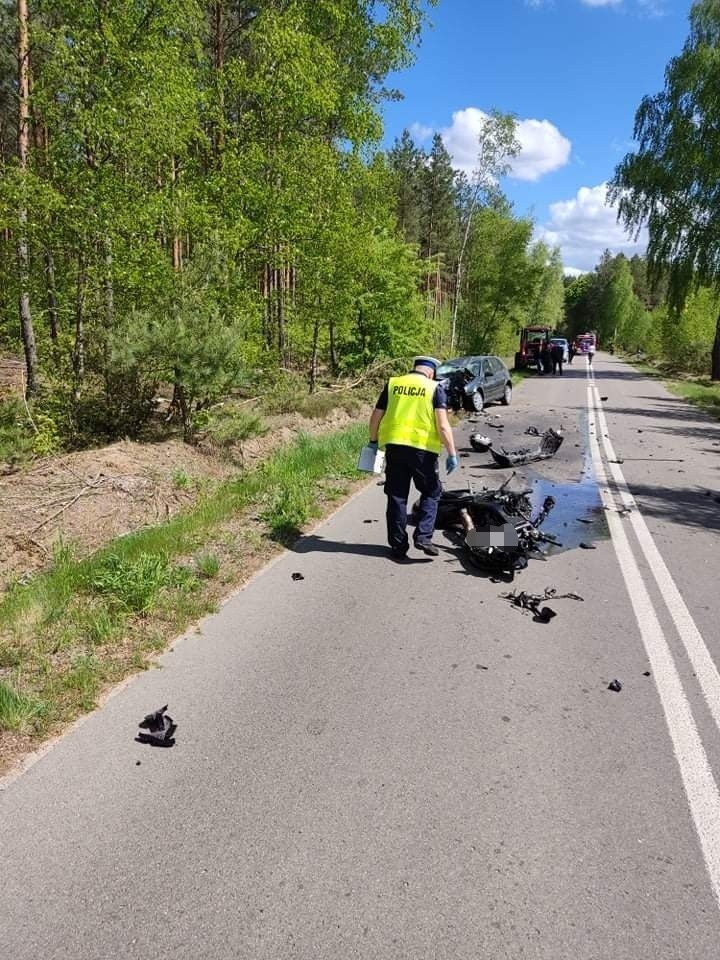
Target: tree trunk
<point>333,353</point>
<point>458,272</point>
<point>281,331</point>
<point>109,286</point>
<point>79,348</point>
<point>715,367</point>
<point>26,325</point>
<point>315,348</point>
<point>219,63</point>
<point>177,240</point>
<point>51,294</point>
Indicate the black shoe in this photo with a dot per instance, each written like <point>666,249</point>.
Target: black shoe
<point>428,547</point>
<point>399,556</point>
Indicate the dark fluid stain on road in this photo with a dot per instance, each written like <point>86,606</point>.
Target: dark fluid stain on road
<point>576,503</point>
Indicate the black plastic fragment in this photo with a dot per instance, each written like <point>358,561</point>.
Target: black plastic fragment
<point>603,398</point>
<point>587,546</point>
<point>297,576</point>
<point>548,445</point>
<point>646,673</point>
<point>157,729</point>
<point>615,686</point>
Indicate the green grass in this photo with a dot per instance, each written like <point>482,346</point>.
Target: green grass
<point>700,392</point>
<point>232,424</point>
<point>86,622</point>
<point>208,565</point>
<point>18,712</point>
<point>16,436</point>
<point>180,479</point>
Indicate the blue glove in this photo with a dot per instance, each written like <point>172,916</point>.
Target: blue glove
<point>373,444</point>
<point>451,464</point>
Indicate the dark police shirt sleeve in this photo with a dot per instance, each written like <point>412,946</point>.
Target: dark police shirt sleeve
<point>382,399</point>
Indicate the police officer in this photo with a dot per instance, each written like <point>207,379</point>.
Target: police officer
<point>410,423</point>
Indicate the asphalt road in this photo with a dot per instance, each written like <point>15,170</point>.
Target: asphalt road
<point>387,761</point>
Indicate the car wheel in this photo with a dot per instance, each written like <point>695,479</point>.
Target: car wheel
<point>507,395</point>
<point>476,402</point>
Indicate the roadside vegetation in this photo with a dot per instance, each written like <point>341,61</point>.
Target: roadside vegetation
<point>195,207</point>
<point>87,622</point>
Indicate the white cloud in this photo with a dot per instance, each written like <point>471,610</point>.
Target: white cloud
<point>585,226</point>
<point>420,132</point>
<point>543,147</point>
<point>573,271</point>
<point>649,8</point>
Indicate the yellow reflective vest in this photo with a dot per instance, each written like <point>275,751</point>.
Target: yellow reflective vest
<point>410,416</point>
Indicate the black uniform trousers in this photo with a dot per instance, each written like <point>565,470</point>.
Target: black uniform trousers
<point>404,465</point>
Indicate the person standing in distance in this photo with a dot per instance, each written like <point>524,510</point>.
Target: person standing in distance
<point>410,422</point>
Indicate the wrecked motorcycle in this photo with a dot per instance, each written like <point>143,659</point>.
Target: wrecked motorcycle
<point>500,533</point>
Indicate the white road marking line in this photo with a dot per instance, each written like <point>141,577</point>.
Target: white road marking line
<point>700,786</point>
<point>702,662</point>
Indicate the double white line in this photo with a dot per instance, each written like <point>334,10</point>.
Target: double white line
<point>700,786</point>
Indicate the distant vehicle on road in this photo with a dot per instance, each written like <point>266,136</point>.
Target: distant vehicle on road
<point>531,341</point>
<point>584,341</point>
<point>561,341</point>
<point>472,382</point>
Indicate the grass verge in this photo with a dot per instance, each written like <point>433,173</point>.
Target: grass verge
<point>86,623</point>
<point>700,392</point>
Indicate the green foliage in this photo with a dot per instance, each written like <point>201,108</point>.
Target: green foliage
<point>208,565</point>
<point>670,181</point>
<point>625,309</point>
<point>16,434</point>
<point>201,204</point>
<point>17,710</point>
<point>230,424</point>
<point>180,479</point>
<point>136,583</point>
<point>84,679</point>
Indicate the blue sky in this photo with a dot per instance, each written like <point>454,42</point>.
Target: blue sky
<point>572,71</point>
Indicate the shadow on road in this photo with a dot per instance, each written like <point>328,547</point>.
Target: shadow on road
<point>689,506</point>
<point>682,421</point>
<point>316,544</point>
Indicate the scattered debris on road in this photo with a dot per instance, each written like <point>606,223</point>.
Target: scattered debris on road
<point>646,673</point>
<point>587,546</point>
<point>603,398</point>
<point>615,686</point>
<point>160,729</point>
<point>480,443</point>
<point>297,576</point>
<point>530,602</point>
